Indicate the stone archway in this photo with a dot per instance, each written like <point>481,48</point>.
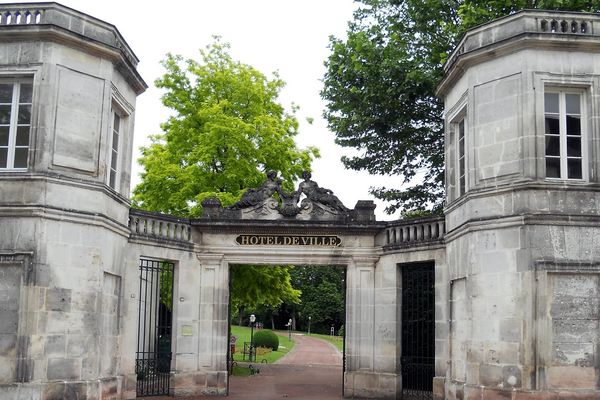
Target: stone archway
<point>279,228</point>
<point>319,230</point>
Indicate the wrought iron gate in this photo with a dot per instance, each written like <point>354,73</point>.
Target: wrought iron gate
<point>418,330</point>
<point>153,357</point>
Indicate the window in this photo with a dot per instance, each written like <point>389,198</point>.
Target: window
<point>114,153</point>
<point>15,124</point>
<point>461,165</point>
<point>564,135</point>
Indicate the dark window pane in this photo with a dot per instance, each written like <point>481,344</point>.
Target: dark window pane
<point>25,94</point>
<point>552,125</point>
<point>115,142</point>
<point>573,146</point>
<point>551,102</point>
<point>3,157</point>
<point>573,104</point>
<point>462,184</point>
<point>21,158</point>
<point>24,114</point>
<point>574,168</point>
<point>116,123</point>
<point>552,167</point>
<point>22,136</point>
<point>113,178</point>
<point>6,91</point>
<point>573,125</point>
<point>552,145</point>
<point>5,114</point>
<point>113,161</point>
<point>461,148</point>
<point>4,135</point>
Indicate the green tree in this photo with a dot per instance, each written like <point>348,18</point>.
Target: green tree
<point>322,297</point>
<point>254,286</point>
<point>226,131</point>
<point>380,87</point>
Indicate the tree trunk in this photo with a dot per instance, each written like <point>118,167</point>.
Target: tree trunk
<point>240,314</point>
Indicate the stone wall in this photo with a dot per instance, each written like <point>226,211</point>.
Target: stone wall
<point>63,229</point>
<point>520,246</point>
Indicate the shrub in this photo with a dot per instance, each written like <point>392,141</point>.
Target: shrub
<point>266,338</point>
<point>341,331</point>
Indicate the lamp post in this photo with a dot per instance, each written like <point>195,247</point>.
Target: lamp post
<point>309,325</point>
<point>252,320</point>
<point>290,329</point>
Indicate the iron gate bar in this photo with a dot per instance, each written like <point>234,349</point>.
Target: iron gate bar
<point>418,331</point>
<point>153,356</point>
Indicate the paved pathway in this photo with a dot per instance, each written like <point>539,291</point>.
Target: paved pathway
<point>312,370</point>
<point>311,351</point>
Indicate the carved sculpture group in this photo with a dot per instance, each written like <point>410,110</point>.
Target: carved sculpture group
<point>316,197</point>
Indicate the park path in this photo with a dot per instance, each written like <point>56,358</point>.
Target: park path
<point>311,371</point>
<point>311,351</point>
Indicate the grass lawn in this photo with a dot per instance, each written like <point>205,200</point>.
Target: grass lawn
<point>337,341</point>
<point>243,335</point>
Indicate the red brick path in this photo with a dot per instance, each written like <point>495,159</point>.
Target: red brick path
<point>312,370</point>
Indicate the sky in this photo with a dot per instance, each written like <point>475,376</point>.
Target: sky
<point>290,37</point>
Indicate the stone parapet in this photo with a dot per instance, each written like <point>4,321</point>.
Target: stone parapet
<point>541,29</point>
<point>157,227</point>
<point>65,24</point>
<point>412,233</point>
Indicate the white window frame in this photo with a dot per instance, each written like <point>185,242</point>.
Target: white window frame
<point>461,161</point>
<point>123,109</point>
<point>13,123</point>
<point>115,113</point>
<point>562,91</point>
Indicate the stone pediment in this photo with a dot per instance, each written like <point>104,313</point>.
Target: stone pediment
<point>309,202</point>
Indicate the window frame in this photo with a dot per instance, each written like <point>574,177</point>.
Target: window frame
<point>111,148</point>
<point>123,109</point>
<point>13,124</point>
<point>455,119</point>
<point>563,91</point>
<point>460,129</point>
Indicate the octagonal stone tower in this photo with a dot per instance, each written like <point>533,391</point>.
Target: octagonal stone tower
<point>68,88</point>
<point>523,208</point>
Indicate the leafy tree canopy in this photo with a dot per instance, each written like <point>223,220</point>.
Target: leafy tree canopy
<point>226,131</point>
<point>322,296</point>
<point>253,286</point>
<point>380,87</point>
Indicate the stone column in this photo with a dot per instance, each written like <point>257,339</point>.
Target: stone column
<point>213,322</point>
<point>360,379</point>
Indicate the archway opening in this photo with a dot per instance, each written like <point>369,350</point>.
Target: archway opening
<point>310,328</point>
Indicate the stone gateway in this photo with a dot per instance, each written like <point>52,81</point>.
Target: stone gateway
<point>498,298</point>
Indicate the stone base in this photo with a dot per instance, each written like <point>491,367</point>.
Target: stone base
<point>439,384</point>
<point>455,391</point>
<point>115,388</point>
<point>199,383</point>
<point>371,385</point>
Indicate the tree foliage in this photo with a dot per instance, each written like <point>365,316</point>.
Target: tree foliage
<point>226,131</point>
<point>322,297</point>
<point>253,286</point>
<point>380,87</point>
